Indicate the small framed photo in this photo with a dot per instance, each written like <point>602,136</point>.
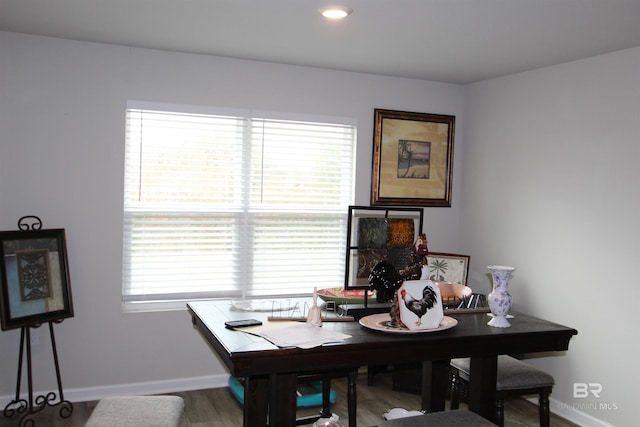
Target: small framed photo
<point>35,278</point>
<point>444,267</point>
<point>412,159</point>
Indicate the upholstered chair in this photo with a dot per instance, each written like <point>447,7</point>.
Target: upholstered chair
<point>515,378</point>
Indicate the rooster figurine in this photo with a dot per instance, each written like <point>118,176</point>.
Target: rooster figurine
<point>421,306</point>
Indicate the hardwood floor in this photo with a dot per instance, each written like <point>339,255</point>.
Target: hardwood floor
<point>218,408</point>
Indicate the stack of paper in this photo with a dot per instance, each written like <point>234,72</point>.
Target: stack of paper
<point>302,335</point>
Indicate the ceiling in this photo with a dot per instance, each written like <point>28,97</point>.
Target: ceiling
<point>456,41</point>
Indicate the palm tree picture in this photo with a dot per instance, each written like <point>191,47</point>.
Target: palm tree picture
<point>414,159</point>
<point>439,268</point>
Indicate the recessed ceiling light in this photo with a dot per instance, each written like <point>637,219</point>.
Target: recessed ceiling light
<point>335,12</point>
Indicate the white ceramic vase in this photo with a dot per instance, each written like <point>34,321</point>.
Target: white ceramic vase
<point>500,299</point>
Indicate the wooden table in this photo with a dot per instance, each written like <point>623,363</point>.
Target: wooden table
<point>271,372</point>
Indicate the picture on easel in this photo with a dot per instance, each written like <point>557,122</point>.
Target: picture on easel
<point>35,285</point>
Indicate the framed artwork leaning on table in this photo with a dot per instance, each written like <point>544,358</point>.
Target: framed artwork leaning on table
<point>445,267</point>
<point>378,233</point>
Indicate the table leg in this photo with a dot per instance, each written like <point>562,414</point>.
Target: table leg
<point>256,392</point>
<point>282,400</point>
<point>435,380</point>
<point>352,397</point>
<point>325,412</point>
<point>482,386</point>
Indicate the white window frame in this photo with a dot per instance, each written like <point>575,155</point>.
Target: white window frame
<point>138,211</point>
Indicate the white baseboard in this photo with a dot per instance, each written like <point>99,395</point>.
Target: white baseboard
<point>152,387</point>
<point>572,413</point>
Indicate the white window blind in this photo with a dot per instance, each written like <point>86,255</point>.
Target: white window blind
<point>233,205</point>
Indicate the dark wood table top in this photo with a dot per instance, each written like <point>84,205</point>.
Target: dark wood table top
<point>246,354</point>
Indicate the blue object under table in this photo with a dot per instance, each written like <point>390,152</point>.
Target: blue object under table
<point>302,401</point>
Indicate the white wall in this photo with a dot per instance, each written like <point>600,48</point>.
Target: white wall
<point>62,106</point>
<point>551,185</point>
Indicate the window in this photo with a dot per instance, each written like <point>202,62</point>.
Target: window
<point>233,205</point>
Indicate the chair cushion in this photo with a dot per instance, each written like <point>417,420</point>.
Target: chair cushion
<point>512,373</point>
<point>456,418</point>
<point>137,411</point>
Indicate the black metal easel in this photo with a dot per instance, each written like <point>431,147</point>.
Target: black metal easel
<point>24,408</point>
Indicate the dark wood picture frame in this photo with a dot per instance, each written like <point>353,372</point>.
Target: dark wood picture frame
<point>412,159</point>
<point>377,233</point>
<point>35,278</point>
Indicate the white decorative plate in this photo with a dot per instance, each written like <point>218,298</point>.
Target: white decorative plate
<point>380,322</point>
